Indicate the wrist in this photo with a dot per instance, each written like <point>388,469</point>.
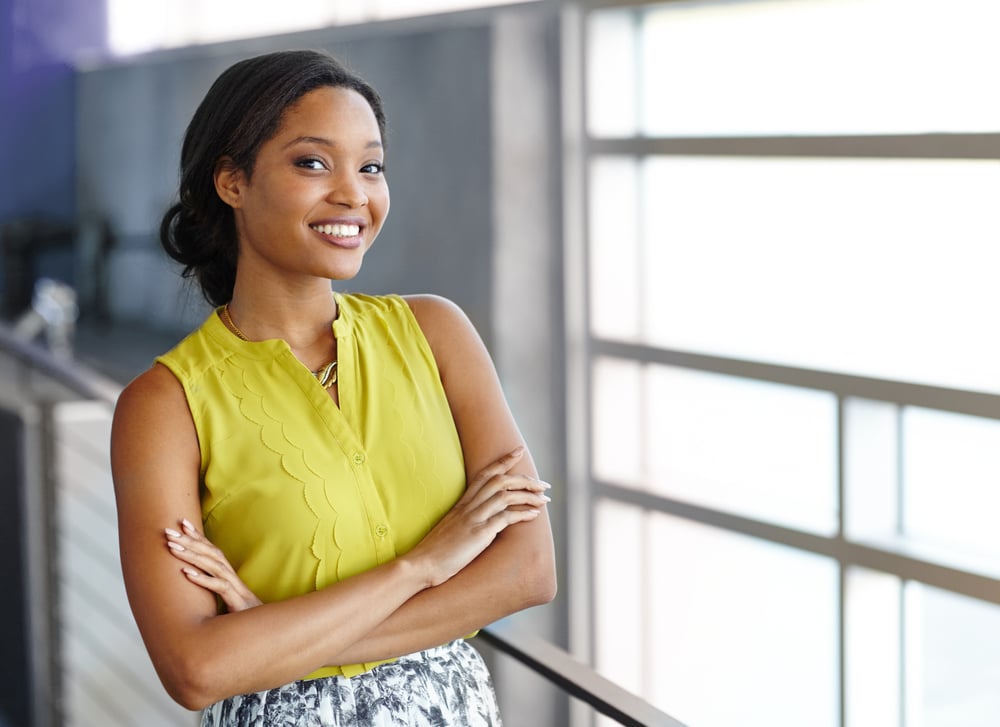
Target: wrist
<point>416,570</point>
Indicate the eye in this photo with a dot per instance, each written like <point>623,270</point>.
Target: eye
<point>310,163</point>
<point>373,168</point>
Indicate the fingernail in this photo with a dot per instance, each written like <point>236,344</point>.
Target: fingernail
<point>517,452</point>
<point>187,524</point>
<point>546,498</point>
<point>172,533</point>
<point>174,546</point>
<point>190,571</point>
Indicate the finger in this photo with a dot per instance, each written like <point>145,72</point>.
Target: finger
<point>203,562</point>
<point>505,500</point>
<point>218,586</point>
<point>499,466</point>
<point>506,483</point>
<point>523,482</point>
<point>504,519</point>
<point>179,543</point>
<point>233,596</point>
<point>191,531</point>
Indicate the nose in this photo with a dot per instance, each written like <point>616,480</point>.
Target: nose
<point>348,190</point>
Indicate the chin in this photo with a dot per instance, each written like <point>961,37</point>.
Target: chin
<point>343,272</point>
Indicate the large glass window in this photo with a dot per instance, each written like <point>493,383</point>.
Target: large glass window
<point>793,420</point>
<point>137,27</point>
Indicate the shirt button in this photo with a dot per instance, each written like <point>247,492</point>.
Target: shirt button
<point>359,459</point>
<point>381,531</point>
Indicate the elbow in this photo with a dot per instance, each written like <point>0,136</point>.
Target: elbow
<point>189,683</point>
<point>544,588</point>
<point>538,580</point>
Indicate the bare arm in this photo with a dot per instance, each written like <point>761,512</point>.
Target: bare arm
<point>202,657</point>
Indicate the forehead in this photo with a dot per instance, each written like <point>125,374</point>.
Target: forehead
<point>334,111</point>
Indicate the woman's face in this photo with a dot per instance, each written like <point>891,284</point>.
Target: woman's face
<point>317,197</point>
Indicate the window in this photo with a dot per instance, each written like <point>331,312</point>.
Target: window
<point>791,381</point>
<point>138,27</point>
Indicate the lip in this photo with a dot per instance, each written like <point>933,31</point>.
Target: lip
<point>347,243</point>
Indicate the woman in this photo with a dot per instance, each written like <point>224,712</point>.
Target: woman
<point>352,457</point>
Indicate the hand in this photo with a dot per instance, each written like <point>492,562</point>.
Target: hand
<point>211,570</point>
<point>493,500</point>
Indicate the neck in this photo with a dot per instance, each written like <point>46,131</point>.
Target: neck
<point>303,320</point>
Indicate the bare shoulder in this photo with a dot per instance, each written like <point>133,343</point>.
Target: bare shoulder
<point>154,392</point>
<point>446,327</point>
<point>152,425</point>
<point>436,313</point>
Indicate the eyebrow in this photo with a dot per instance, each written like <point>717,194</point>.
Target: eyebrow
<point>323,141</point>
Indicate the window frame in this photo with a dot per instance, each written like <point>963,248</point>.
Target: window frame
<point>894,556</point>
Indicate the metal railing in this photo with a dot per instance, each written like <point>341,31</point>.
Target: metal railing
<point>541,657</point>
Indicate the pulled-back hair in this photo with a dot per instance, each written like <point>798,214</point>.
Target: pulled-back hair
<point>241,111</point>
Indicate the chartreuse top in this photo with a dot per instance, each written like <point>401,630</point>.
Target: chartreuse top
<point>299,493</point>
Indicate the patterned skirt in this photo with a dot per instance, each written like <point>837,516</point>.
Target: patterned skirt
<point>447,686</point>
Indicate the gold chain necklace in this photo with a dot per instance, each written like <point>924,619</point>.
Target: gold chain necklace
<point>326,375</point>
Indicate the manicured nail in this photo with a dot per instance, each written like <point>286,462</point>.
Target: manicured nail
<point>191,571</point>
<point>517,452</point>
<point>187,524</point>
<point>175,546</point>
<point>546,498</point>
<point>172,533</point>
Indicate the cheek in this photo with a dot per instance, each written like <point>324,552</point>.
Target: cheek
<point>384,205</point>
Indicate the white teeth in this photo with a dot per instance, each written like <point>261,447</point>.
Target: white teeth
<point>338,230</point>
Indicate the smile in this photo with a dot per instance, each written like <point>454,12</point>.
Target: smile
<point>338,230</point>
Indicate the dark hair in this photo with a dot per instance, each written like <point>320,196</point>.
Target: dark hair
<point>241,111</point>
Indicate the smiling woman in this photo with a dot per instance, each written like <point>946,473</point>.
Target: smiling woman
<point>320,176</point>
<point>341,471</point>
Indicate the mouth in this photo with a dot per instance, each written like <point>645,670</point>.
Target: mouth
<point>343,235</point>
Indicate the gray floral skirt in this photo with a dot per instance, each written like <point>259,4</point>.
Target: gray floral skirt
<point>447,686</point>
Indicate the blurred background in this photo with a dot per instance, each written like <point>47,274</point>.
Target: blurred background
<point>735,261</point>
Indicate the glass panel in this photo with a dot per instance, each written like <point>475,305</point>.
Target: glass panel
<point>745,632</point>
<point>819,67</point>
<point>952,482</point>
<point>951,667</point>
<point>611,77</point>
<point>137,27</point>
<point>827,264</point>
<point>871,469</point>
<point>873,620</point>
<point>619,598</point>
<point>409,8</point>
<point>617,421</point>
<point>614,253</point>
<point>757,449</point>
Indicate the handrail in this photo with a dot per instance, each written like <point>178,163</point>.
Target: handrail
<point>82,380</point>
<point>575,678</point>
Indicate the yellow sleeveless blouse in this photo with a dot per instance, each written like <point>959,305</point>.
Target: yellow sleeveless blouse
<point>299,493</point>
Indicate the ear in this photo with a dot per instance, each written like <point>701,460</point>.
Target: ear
<point>229,182</point>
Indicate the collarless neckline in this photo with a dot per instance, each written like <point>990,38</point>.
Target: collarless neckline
<point>265,347</point>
